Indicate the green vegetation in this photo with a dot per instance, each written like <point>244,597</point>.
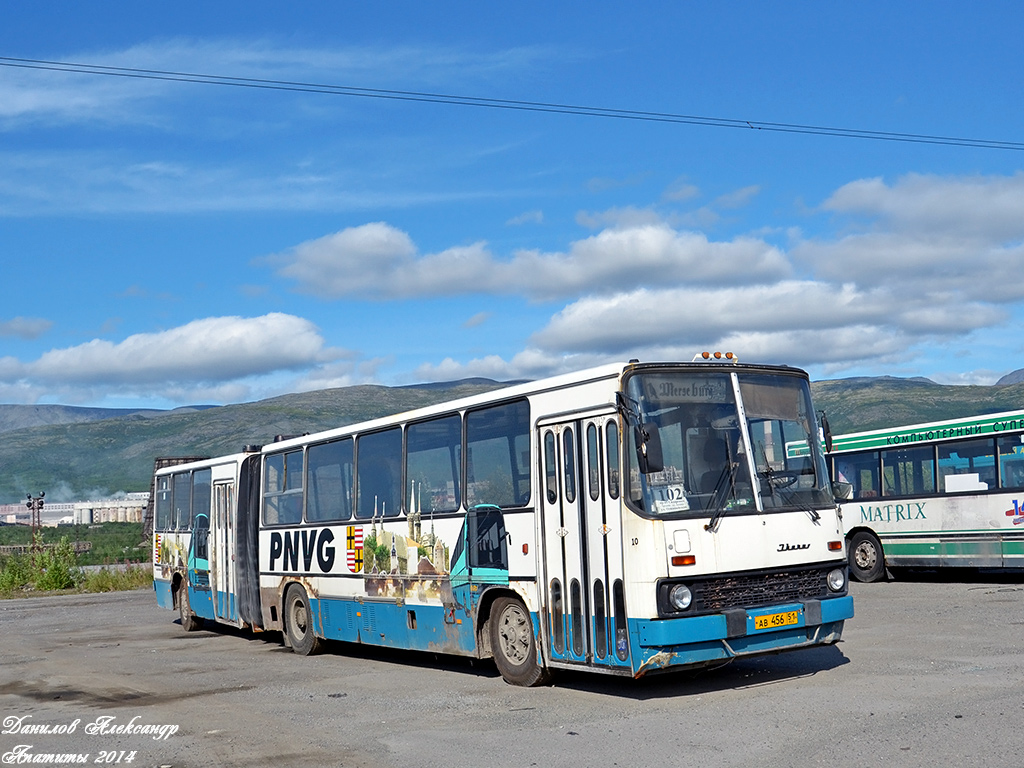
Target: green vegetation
<point>55,567</point>
<point>111,542</point>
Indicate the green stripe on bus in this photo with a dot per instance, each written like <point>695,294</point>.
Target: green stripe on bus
<point>990,424</point>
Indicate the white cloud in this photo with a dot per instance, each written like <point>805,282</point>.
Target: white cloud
<point>54,96</point>
<point>211,350</point>
<point>528,217</point>
<point>528,364</point>
<point>919,266</point>
<point>478,319</point>
<point>739,197</point>
<point>379,261</point>
<point>618,218</point>
<point>25,327</point>
<point>681,190</point>
<point>985,207</point>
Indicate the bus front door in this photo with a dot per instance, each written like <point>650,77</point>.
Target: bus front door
<point>582,540</point>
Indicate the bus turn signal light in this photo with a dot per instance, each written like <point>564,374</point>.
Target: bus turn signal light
<point>835,546</point>
<point>684,560</point>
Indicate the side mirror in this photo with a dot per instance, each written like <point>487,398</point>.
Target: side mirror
<point>649,457</point>
<point>842,491</point>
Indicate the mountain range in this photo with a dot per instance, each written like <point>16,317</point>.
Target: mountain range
<point>79,453</point>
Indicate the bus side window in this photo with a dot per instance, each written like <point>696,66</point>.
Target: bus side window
<point>379,474</point>
<point>182,501</point>
<point>908,471</point>
<point>1011,461</point>
<point>861,471</point>
<point>497,442</point>
<point>282,488</point>
<point>973,459</point>
<point>163,503</point>
<point>329,481</point>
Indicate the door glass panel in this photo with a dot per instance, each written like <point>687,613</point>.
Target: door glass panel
<point>619,608</point>
<point>569,460</point>
<point>612,446</point>
<point>557,616</point>
<point>576,601</point>
<point>550,467</point>
<point>593,463</point>
<point>600,621</point>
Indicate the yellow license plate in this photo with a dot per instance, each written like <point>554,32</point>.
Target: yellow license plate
<point>775,620</point>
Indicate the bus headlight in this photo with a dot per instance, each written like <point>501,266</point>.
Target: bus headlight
<point>837,579</point>
<point>680,597</point>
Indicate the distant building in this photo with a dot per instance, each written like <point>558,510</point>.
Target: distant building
<point>127,509</point>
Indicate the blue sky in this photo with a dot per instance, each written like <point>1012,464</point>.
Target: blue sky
<point>165,243</point>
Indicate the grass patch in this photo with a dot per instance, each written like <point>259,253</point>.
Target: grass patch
<point>53,567</point>
<point>118,580</point>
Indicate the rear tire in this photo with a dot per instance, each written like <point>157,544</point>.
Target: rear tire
<point>298,622</point>
<point>189,621</point>
<point>867,560</point>
<point>513,645</point>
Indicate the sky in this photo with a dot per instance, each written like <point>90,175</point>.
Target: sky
<point>170,240</point>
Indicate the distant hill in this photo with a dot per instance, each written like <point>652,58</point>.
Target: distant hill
<point>89,456</point>
<point>25,416</point>
<point>860,404</point>
<point>1013,377</point>
<point>76,453</point>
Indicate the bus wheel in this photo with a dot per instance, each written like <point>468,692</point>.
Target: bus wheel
<point>515,652</point>
<point>189,621</point>
<point>867,562</point>
<point>298,623</point>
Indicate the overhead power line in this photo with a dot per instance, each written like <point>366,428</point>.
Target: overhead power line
<point>509,104</point>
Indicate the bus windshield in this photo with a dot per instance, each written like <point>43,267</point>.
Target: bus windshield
<point>709,452</point>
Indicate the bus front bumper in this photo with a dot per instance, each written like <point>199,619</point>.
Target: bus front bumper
<point>702,640</point>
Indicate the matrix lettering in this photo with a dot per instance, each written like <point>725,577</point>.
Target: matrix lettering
<point>893,513</point>
<point>296,550</point>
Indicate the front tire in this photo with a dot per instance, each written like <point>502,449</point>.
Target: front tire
<point>513,645</point>
<point>867,560</point>
<point>298,620</point>
<point>189,621</point>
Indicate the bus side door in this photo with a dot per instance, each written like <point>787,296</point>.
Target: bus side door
<point>222,553</point>
<point>583,541</point>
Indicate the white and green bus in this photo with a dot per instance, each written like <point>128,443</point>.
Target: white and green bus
<point>628,519</point>
<point>945,493</point>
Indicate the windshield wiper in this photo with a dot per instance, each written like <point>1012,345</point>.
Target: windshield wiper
<point>726,483</point>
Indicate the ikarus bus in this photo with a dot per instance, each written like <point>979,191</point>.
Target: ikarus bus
<point>629,519</point>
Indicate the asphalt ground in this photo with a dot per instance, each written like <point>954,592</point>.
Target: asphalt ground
<point>930,672</point>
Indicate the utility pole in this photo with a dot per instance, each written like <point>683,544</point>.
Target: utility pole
<point>35,503</point>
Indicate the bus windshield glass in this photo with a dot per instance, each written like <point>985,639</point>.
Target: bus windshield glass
<point>707,452</point>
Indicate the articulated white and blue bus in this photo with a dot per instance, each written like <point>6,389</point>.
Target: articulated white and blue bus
<point>627,519</point>
<point>939,494</point>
